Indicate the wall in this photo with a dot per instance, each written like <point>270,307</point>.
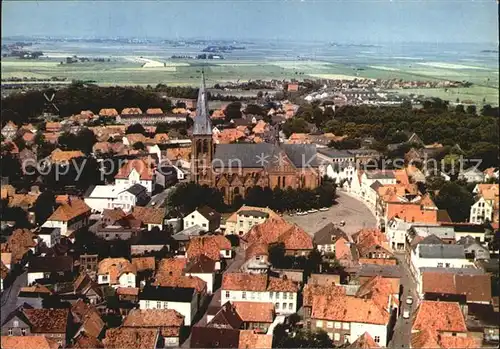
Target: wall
<point>196,218</point>
<point>207,277</point>
<point>358,329</point>
<point>126,280</point>
<point>184,309</point>
<point>57,224</point>
<point>34,276</point>
<point>277,297</point>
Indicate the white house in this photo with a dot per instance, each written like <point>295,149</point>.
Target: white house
<point>472,175</point>
<point>43,267</point>
<point>69,217</point>
<point>245,218</point>
<point>438,255</point>
<point>49,236</point>
<point>204,268</point>
<point>481,211</point>
<point>116,272</point>
<point>136,172</point>
<point>205,217</point>
<point>241,287</point>
<point>100,197</point>
<point>183,300</point>
<point>9,131</point>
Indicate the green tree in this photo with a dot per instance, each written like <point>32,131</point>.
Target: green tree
<point>44,206</point>
<point>456,200</point>
<point>471,109</point>
<point>295,125</point>
<point>139,146</point>
<point>233,111</point>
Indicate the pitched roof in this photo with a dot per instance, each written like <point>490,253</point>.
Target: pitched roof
<point>89,318</point>
<point>255,311</point>
<point>160,293</point>
<point>155,318</point>
<point>226,317</point>
<point>256,249</point>
<point>131,111</point>
<point>131,338</point>
<point>115,267</point>
<point>50,264</point>
<point>144,263</point>
<point>256,282</point>
<point>213,337</point>
<point>410,212</point>
<point>477,288</point>
<point>329,234</point>
<point>69,210</point>
<point>145,172</point>
<point>252,340</point>
<point>110,112</point>
<point>365,341</point>
<point>47,320</point>
<point>202,123</point>
<point>208,245</point>
<point>439,316</point>
<point>311,290</point>
<point>28,342</point>
<point>114,214</point>
<point>208,212</point>
<point>59,155</point>
<point>182,281</point>
<point>19,242</point>
<point>200,264</point>
<point>85,341</point>
<point>265,210</point>
<point>154,111</point>
<point>366,239</point>
<point>149,215</point>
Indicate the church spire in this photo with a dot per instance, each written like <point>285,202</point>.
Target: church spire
<point>202,124</point>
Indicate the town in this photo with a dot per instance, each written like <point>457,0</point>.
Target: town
<point>246,226</point>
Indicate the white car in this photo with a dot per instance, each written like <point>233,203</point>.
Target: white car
<point>342,223</point>
<point>406,314</point>
<point>323,209</point>
<point>409,300</point>
<point>313,210</point>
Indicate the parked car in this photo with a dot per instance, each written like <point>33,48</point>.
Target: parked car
<point>313,210</point>
<point>323,209</point>
<point>342,223</point>
<point>406,314</point>
<point>409,300</point>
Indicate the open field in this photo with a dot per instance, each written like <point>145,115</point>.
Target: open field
<point>474,93</point>
<point>129,70</point>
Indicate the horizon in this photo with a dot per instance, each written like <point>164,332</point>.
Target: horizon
<point>344,22</point>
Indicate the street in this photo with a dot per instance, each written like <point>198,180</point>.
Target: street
<point>9,296</point>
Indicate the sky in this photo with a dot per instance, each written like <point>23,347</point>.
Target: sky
<point>344,21</point>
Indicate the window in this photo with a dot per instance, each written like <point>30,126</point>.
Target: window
<point>345,325</point>
<point>284,306</point>
<point>290,306</point>
<point>10,331</point>
<point>319,323</point>
<point>23,331</point>
<point>105,278</point>
<point>271,294</point>
<point>165,305</point>
<point>16,323</point>
<point>244,295</point>
<point>440,265</point>
<point>158,305</point>
<point>277,295</point>
<point>377,339</point>
<point>447,265</point>
<point>290,295</point>
<point>227,294</point>
<point>329,324</point>
<point>277,305</point>
<point>330,335</point>
<point>336,337</point>
<point>284,295</point>
<point>147,304</point>
<point>337,325</point>
<point>204,225</point>
<point>252,295</point>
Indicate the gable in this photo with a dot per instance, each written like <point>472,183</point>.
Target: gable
<point>10,323</point>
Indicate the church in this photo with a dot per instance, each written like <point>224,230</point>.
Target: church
<point>235,168</point>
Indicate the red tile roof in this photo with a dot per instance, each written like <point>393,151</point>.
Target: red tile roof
<point>168,320</point>
<point>365,341</point>
<point>440,317</point>
<point>251,340</point>
<point>47,320</point>
<point>70,210</point>
<point>145,172</point>
<point>477,288</point>
<point>255,311</point>
<point>28,342</point>
<point>209,246</point>
<point>131,338</point>
<point>311,290</point>
<point>257,282</point>
<point>115,267</point>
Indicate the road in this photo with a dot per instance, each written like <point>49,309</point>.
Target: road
<point>159,199</point>
<point>402,329</point>
<point>354,212</point>
<point>9,300</point>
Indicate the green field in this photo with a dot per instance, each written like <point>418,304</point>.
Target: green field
<point>186,72</point>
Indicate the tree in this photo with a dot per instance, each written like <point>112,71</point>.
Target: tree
<point>255,109</point>
<point>139,146</point>
<point>459,109</point>
<point>233,111</point>
<point>295,125</point>
<point>471,109</point>
<point>44,206</point>
<point>277,253</point>
<point>303,338</point>
<point>135,128</point>
<point>488,110</point>
<point>486,152</point>
<point>456,200</point>
<point>347,143</point>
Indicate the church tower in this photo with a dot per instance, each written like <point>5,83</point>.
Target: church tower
<point>202,144</point>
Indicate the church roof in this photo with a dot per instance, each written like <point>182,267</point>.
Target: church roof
<point>264,155</point>
<point>202,125</point>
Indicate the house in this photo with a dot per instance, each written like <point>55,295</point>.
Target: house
<point>85,341</point>
<point>368,179</point>
<point>116,272</point>
<point>276,230</point>
<point>486,207</point>
<point>9,131</point>
<point>257,316</point>
<point>69,217</point>
<point>102,197</point>
<point>471,175</point>
<point>53,324</point>
<point>477,231</point>
<point>346,318</point>
<point>432,252</point>
<point>108,113</point>
<point>18,245</point>
<point>332,240</point>
<point>474,249</point>
<point>256,259</point>
<point>132,338</point>
<point>373,246</point>
<point>215,247</point>
<point>491,174</point>
<point>45,267</point>
<point>338,164</point>
<point>482,322</point>
<point>241,287</point>
<point>49,236</point>
<point>87,319</point>
<point>63,157</point>
<point>204,217</point>
<point>438,285</point>
<point>240,223</point>
<point>124,229</point>
<point>87,288</point>
<point>169,322</point>
<point>365,341</point>
<point>204,268</point>
<point>135,171</point>
<point>312,289</point>
<point>88,264</point>
<point>150,216</point>
<point>181,299</point>
<point>440,325</point>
